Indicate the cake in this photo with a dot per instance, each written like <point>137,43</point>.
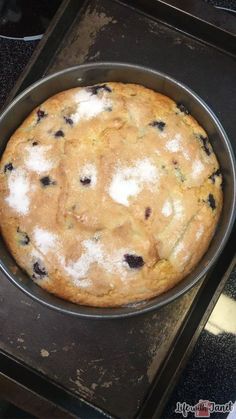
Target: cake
<point>110,194</point>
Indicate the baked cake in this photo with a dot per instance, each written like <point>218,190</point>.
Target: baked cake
<point>110,194</point>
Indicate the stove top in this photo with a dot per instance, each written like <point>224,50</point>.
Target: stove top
<point>20,19</point>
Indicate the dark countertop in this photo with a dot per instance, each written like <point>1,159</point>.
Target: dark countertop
<point>210,372</point>
<point>14,55</point>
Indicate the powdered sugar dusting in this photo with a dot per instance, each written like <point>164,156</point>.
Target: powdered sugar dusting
<point>129,181</point>
<point>179,248</point>
<point>178,208</point>
<point>83,96</point>
<point>19,187</point>
<point>186,155</point>
<point>89,105</point>
<point>167,209</point>
<point>44,240</point>
<point>197,168</point>
<point>200,232</point>
<point>94,253</point>
<point>35,254</point>
<point>174,144</point>
<point>85,283</point>
<point>122,189</point>
<point>180,256</point>
<point>89,170</point>
<point>36,160</point>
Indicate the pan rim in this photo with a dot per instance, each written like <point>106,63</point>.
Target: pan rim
<point>167,297</point>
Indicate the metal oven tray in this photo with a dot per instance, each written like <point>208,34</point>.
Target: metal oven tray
<point>124,368</point>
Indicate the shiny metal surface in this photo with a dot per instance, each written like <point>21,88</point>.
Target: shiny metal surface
<point>101,72</point>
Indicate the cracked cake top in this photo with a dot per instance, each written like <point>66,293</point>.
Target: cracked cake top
<point>110,194</point>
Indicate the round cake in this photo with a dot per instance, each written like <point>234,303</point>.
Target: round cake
<point>110,194</point>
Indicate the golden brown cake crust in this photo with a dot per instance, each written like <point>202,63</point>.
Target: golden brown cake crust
<point>110,194</point>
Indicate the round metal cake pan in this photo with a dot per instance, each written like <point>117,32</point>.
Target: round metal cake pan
<point>94,73</point>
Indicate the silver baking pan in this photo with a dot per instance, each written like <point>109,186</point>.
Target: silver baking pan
<point>95,73</point>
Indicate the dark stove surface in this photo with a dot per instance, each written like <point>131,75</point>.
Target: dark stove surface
<point>14,55</point>
<point>24,18</point>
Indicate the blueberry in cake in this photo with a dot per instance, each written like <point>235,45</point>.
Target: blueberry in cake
<point>110,194</point>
